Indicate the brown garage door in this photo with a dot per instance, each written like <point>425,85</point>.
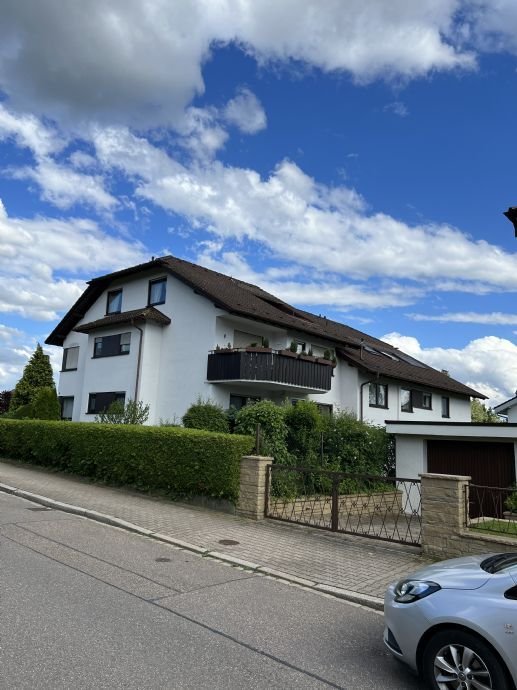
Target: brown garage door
<point>488,463</point>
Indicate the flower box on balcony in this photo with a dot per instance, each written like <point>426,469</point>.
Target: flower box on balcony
<point>307,358</point>
<point>289,353</point>
<point>258,349</point>
<point>328,362</point>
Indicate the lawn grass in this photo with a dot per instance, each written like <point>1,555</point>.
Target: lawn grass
<point>506,527</point>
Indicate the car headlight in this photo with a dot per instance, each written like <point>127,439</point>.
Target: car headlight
<point>407,591</point>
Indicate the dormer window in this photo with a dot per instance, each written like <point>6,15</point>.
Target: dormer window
<point>114,303</point>
<point>157,291</point>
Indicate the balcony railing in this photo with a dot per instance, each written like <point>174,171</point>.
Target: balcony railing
<point>270,366</point>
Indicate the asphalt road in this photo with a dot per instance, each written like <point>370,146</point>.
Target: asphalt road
<point>83,605</point>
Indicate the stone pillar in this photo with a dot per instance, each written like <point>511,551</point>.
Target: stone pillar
<point>444,499</point>
<point>252,490</point>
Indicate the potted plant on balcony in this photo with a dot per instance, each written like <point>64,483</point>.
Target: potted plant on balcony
<point>291,351</point>
<point>327,359</point>
<point>307,356</point>
<point>228,350</point>
<point>263,347</point>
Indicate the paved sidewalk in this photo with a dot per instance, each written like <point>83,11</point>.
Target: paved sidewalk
<point>360,566</point>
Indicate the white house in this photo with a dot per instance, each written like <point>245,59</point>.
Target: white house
<point>508,409</point>
<point>168,331</point>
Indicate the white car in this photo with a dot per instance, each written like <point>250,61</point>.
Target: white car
<point>455,622</point>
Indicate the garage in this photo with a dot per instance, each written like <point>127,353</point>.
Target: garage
<point>485,452</point>
<point>487,462</point>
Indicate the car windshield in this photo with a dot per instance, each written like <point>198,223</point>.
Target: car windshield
<point>498,562</point>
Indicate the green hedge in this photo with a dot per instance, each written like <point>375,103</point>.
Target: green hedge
<point>183,462</point>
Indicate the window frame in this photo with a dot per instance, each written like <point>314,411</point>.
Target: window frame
<point>66,350</point>
<point>446,399</point>
<point>409,407</point>
<point>152,283</point>
<point>61,404</point>
<point>109,296</point>
<point>117,395</point>
<point>377,386</point>
<point>120,352</point>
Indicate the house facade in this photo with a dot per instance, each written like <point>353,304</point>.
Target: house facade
<point>508,409</point>
<point>168,332</point>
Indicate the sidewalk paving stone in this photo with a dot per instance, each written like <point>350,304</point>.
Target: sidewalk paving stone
<point>344,562</point>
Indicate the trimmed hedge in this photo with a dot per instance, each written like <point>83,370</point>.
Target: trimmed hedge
<point>183,462</point>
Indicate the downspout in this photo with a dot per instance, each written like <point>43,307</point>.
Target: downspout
<point>139,359</point>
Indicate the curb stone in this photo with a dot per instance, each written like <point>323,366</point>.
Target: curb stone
<point>354,597</point>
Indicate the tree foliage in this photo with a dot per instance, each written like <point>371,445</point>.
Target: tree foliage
<point>133,412</point>
<point>5,399</point>
<point>36,374</point>
<point>481,413</point>
<point>44,405</point>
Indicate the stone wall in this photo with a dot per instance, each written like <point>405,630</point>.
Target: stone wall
<point>444,520</point>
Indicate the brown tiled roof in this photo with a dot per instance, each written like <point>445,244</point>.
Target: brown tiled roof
<point>244,299</point>
<point>383,366</point>
<point>146,314</point>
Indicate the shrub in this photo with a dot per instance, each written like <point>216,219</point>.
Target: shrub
<point>350,445</point>
<point>133,412</point>
<point>205,414</point>
<point>273,431</point>
<point>304,424</point>
<point>182,462</point>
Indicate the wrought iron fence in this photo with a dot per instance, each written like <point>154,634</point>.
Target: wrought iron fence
<point>379,507</point>
<point>491,509</point>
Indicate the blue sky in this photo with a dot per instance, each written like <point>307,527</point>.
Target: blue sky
<point>356,163</point>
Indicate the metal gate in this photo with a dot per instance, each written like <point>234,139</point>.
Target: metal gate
<point>385,508</point>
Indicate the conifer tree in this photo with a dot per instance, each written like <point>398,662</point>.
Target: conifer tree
<point>37,374</point>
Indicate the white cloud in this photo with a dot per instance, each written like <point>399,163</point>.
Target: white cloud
<point>246,112</point>
<point>201,134</point>
<point>310,224</point>
<point>141,63</point>
<point>489,364</point>
<point>310,292</point>
<point>64,187</point>
<point>29,132</point>
<point>397,108</point>
<point>494,318</point>
<point>36,253</point>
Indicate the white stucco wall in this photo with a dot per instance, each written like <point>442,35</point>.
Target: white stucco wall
<point>459,406</point>
<point>174,361</point>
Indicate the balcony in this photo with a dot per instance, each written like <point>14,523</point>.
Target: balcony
<point>269,368</point>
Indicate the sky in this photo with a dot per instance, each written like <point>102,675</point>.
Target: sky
<point>354,158</point>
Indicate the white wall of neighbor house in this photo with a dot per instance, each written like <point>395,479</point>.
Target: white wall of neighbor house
<point>459,406</point>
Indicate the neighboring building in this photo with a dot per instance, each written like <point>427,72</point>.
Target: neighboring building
<point>508,409</point>
<point>168,332</point>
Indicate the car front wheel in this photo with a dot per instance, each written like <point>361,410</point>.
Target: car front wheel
<point>455,659</point>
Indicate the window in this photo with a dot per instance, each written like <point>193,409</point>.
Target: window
<point>157,291</point>
<point>70,358</point>
<point>421,399</point>
<point>67,407</point>
<point>99,402</point>
<point>242,339</point>
<point>110,345</point>
<point>324,409</point>
<point>445,407</point>
<point>300,346</point>
<point>114,303</point>
<point>406,404</point>
<point>378,395</point>
<point>239,401</point>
